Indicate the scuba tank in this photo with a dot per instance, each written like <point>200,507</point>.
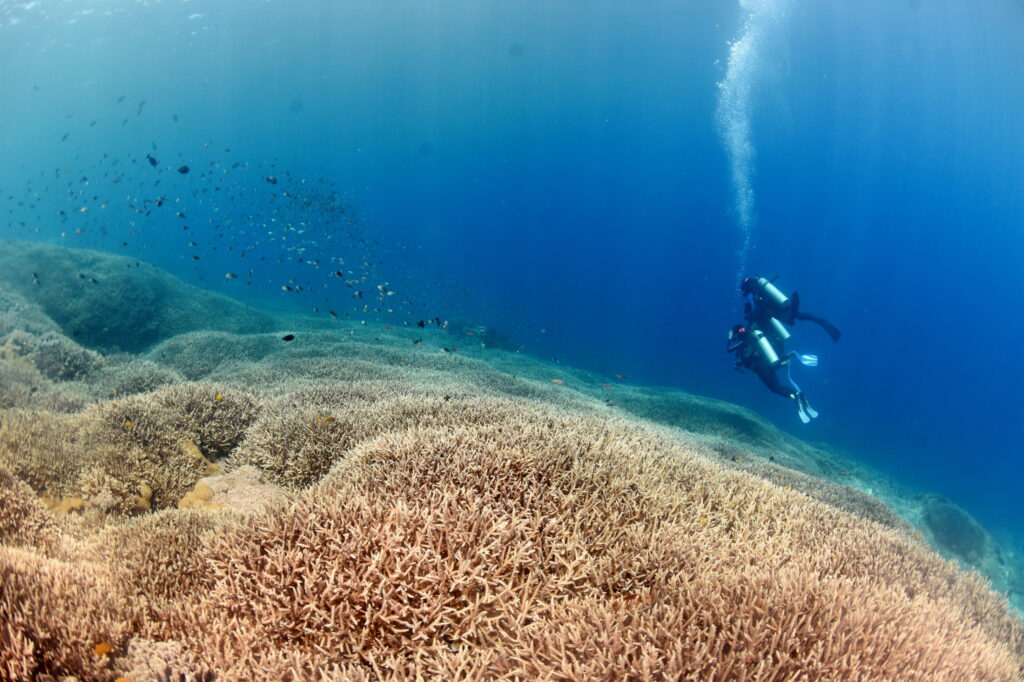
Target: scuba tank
<point>769,290</point>
<point>765,346</point>
<point>780,329</point>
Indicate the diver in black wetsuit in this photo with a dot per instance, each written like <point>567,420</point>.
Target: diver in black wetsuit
<point>772,309</point>
<point>755,351</point>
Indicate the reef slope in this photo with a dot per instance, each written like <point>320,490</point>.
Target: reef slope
<point>352,505</point>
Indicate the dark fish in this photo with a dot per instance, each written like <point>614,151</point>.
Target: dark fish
<point>339,273</point>
<point>421,324</point>
<point>152,161</point>
<point>332,314</point>
<point>271,179</point>
<point>175,117</point>
<point>183,170</point>
<point>180,214</point>
<point>120,99</point>
<point>64,137</point>
<point>288,337</point>
<point>417,342</point>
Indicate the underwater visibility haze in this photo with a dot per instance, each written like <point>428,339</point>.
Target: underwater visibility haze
<point>430,208</point>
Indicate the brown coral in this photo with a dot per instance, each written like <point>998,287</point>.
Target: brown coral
<point>568,549</point>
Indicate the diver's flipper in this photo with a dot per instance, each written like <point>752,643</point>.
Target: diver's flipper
<point>803,415</point>
<point>807,360</point>
<point>805,407</point>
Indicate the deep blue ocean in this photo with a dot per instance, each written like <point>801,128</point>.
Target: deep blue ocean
<point>590,178</point>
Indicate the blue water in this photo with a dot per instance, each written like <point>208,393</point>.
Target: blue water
<point>573,175</point>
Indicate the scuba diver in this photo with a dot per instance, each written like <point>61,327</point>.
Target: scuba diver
<point>772,309</point>
<point>755,351</point>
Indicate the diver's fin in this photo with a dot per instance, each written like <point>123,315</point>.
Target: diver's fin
<point>831,330</point>
<point>805,407</point>
<point>807,360</point>
<point>803,415</point>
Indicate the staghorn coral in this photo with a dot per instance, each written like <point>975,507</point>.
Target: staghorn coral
<point>34,447</point>
<point>300,435</point>
<point>111,452</point>
<point>163,439</point>
<point>125,375</point>
<point>54,613</point>
<point>60,359</point>
<point>22,386</point>
<point>571,548</point>
<point>468,519</point>
<point>23,518</point>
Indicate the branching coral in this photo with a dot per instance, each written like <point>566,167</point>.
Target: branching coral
<point>564,548</point>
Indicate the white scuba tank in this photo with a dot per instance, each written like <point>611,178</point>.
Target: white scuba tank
<point>780,329</point>
<point>766,347</point>
<point>771,291</point>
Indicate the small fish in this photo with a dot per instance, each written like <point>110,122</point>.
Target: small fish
<point>285,287</point>
<point>152,161</point>
<point>65,137</point>
<point>332,314</point>
<point>183,170</point>
<point>621,376</point>
<point>558,382</point>
<point>102,648</point>
<point>128,424</point>
<point>230,275</point>
<point>217,398</point>
<point>271,179</point>
<point>288,337</point>
<point>339,273</point>
<point>175,117</point>
<point>417,342</point>
<point>421,324</point>
<point>180,214</point>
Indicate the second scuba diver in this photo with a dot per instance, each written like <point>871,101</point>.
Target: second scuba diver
<point>755,351</point>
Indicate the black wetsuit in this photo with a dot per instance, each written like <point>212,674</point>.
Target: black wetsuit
<point>749,355</point>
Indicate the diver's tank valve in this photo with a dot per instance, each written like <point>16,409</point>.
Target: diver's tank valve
<point>766,347</point>
<point>772,292</point>
<point>780,329</point>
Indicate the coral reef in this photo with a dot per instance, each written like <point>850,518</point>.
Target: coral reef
<point>109,302</point>
<point>354,506</point>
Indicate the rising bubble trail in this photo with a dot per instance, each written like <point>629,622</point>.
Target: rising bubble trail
<point>763,19</point>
